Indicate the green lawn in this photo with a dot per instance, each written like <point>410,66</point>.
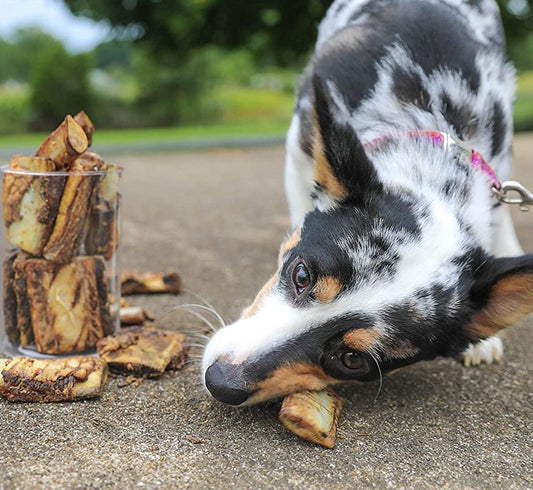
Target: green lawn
<point>523,111</point>
<point>244,112</point>
<point>156,135</point>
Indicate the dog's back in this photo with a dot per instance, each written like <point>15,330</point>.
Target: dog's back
<point>401,65</point>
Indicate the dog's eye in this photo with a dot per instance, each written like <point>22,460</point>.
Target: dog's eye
<point>352,360</point>
<point>301,277</point>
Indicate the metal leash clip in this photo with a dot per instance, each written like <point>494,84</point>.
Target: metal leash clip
<point>512,192</point>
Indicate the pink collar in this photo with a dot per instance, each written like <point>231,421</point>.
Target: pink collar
<point>445,141</point>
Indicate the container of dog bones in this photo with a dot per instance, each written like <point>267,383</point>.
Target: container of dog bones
<point>59,243</point>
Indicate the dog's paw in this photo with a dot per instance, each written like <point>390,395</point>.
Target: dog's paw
<point>487,351</point>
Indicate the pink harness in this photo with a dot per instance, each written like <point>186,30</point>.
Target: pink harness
<point>444,140</point>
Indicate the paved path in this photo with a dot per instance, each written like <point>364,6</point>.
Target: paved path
<point>218,217</point>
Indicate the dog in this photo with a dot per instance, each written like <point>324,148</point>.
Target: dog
<point>400,251</point>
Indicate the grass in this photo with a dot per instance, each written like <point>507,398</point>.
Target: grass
<point>160,135</point>
<point>523,111</point>
<point>254,104</point>
<point>242,112</point>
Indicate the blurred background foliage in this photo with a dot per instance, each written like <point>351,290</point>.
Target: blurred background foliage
<point>190,62</point>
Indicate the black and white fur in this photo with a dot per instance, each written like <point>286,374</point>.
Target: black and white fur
<point>412,244</point>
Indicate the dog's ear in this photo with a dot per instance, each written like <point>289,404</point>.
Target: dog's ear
<point>502,294</point>
<point>342,167</point>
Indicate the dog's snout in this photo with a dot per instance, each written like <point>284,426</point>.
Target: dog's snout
<point>226,383</point>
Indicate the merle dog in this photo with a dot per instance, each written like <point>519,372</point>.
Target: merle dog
<point>399,251</point>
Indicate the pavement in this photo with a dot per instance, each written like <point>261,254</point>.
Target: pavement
<point>218,217</point>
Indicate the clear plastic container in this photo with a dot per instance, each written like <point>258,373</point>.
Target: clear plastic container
<point>59,244</point>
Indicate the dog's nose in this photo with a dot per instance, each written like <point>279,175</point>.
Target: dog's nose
<point>226,383</point>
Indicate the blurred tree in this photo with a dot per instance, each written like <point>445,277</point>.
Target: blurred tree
<point>176,62</point>
<point>517,16</point>
<point>522,54</point>
<point>5,60</point>
<point>59,85</point>
<point>20,53</point>
<point>113,53</point>
<point>275,31</point>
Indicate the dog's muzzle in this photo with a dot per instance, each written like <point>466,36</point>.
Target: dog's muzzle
<point>226,383</point>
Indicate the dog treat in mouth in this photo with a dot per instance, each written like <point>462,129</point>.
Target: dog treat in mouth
<point>52,380</point>
<point>134,315</point>
<point>143,351</point>
<point>313,415</point>
<point>60,279</point>
<point>151,282</point>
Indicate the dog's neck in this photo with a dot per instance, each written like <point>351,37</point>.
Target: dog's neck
<point>440,178</point>
<point>441,181</point>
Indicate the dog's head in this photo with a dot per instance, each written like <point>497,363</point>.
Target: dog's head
<point>372,281</point>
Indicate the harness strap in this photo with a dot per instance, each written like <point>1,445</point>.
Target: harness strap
<point>509,192</point>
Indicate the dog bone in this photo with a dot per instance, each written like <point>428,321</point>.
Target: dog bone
<point>313,415</point>
<point>102,234</point>
<point>64,144</point>
<point>143,351</point>
<point>134,315</point>
<point>20,286</point>
<point>67,234</point>
<point>152,282</point>
<point>17,315</point>
<point>67,304</point>
<point>10,299</point>
<point>86,124</point>
<point>31,202</point>
<point>52,380</point>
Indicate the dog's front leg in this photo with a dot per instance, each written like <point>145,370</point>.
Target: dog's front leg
<point>504,244</point>
<point>483,352</point>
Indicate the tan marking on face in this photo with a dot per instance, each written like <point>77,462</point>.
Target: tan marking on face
<point>361,339</point>
<point>510,300</point>
<point>394,371</point>
<point>290,379</point>
<point>287,245</point>
<point>265,290</point>
<point>292,241</point>
<point>400,349</point>
<point>324,174</point>
<point>327,289</point>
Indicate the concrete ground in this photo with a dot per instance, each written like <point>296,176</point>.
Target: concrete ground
<point>218,217</point>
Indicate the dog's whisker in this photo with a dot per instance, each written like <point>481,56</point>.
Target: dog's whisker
<point>188,344</point>
<point>209,310</point>
<point>191,362</point>
<point>213,309</point>
<point>193,333</point>
<point>188,306</point>
<point>195,359</point>
<point>380,377</point>
<point>197,335</point>
<point>195,351</point>
<point>194,313</point>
